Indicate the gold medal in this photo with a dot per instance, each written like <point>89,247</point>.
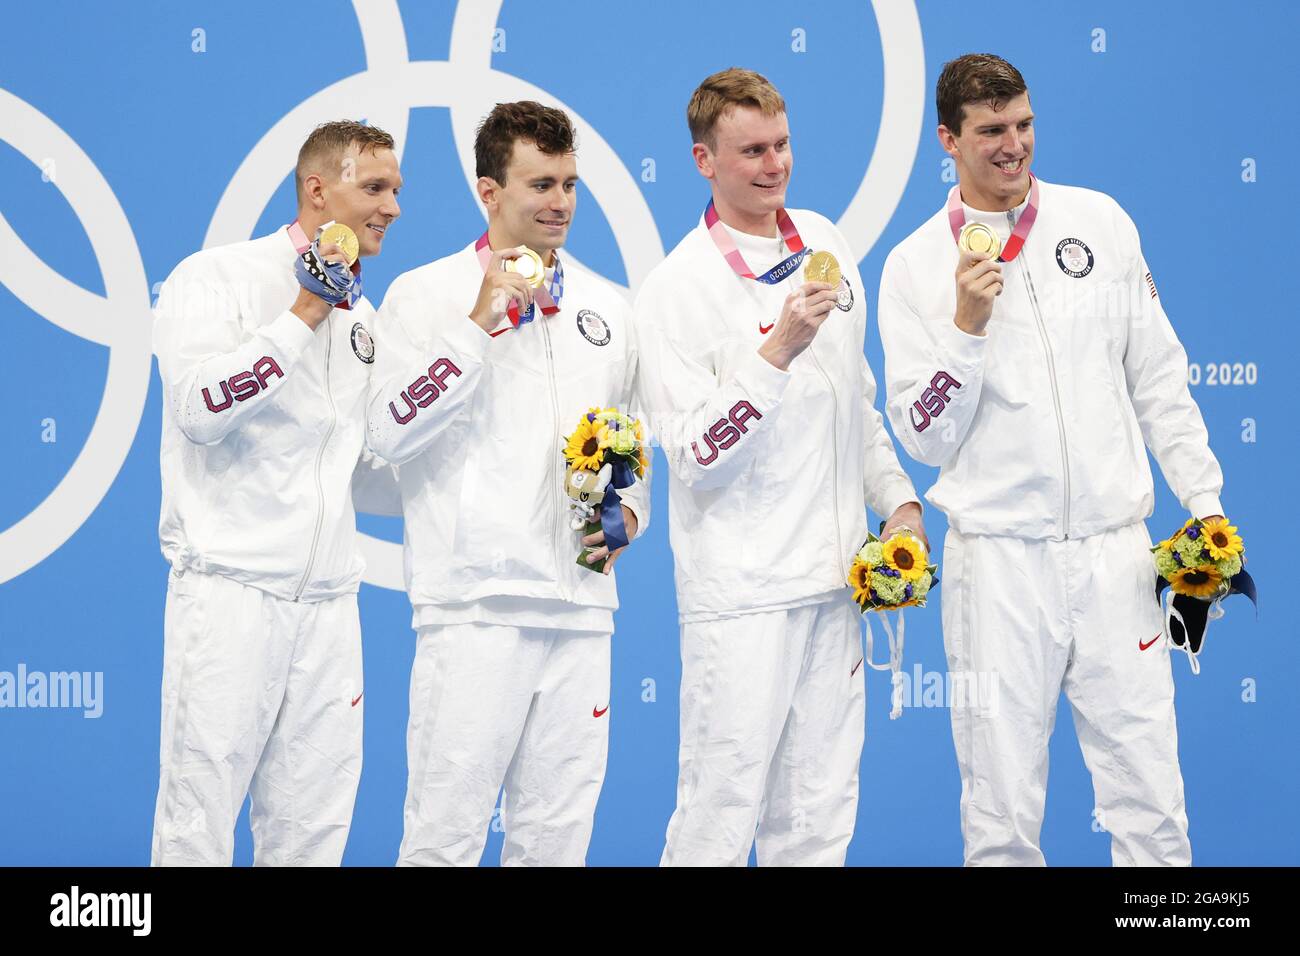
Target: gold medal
<point>529,265</point>
<point>822,267</point>
<point>341,236</point>
<point>977,237</point>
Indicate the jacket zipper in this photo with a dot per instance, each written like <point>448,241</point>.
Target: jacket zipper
<point>835,463</point>
<point>835,446</point>
<point>320,455</point>
<point>1056,394</point>
<point>555,444</point>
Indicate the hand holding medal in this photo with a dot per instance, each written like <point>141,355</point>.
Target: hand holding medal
<point>823,267</point>
<point>505,285</point>
<point>527,264</point>
<point>979,280</point>
<point>337,240</point>
<point>980,258</point>
<point>515,285</point>
<point>324,266</point>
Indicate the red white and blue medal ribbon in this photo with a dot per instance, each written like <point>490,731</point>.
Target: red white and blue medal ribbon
<point>727,246</point>
<point>957,219</point>
<point>548,299</point>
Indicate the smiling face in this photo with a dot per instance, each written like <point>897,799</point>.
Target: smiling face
<point>993,152</point>
<point>749,167</point>
<point>362,194</point>
<point>535,205</point>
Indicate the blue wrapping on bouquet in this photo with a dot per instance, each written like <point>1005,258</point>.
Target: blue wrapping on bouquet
<point>1187,618</point>
<point>611,508</point>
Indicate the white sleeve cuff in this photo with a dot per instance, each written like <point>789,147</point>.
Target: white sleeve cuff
<point>1202,506</point>
<point>763,380</point>
<point>964,349</point>
<point>466,337</point>
<point>896,495</point>
<point>291,334</point>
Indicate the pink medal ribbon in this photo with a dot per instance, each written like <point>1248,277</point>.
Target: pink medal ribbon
<point>301,243</point>
<point>542,296</point>
<point>957,219</point>
<point>727,246</point>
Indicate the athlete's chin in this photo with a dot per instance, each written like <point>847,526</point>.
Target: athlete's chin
<point>549,237</point>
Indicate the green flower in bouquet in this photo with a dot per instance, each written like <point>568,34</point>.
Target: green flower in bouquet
<point>1229,566</point>
<point>1166,566</point>
<point>889,590</point>
<point>622,439</point>
<point>872,553</point>
<point>1191,550</point>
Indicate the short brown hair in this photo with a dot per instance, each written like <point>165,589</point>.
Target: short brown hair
<point>724,91</point>
<point>547,128</point>
<point>975,78</point>
<point>329,141</point>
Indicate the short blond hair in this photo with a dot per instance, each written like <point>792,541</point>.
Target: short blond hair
<point>722,92</point>
<point>325,147</point>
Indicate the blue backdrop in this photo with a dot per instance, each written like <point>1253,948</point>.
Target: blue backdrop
<point>133,134</point>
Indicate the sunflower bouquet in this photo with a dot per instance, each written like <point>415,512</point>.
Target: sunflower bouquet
<point>604,453</point>
<point>891,575</point>
<point>1201,564</point>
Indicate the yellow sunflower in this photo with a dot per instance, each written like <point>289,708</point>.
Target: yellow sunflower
<point>905,555</point>
<point>587,444</point>
<point>1221,538</point>
<point>860,581</point>
<point>1202,582</point>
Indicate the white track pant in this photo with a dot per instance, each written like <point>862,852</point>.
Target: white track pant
<point>772,723</point>
<point>1036,617</point>
<point>526,708</point>
<point>260,695</point>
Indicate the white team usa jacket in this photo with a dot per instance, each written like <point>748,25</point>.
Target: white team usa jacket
<point>771,471</point>
<point>263,425</point>
<point>477,423</point>
<point>1040,427</point>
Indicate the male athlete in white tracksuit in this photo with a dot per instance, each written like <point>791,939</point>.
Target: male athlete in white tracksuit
<point>510,684</point>
<point>263,438</point>
<point>764,404</point>
<point>1037,385</point>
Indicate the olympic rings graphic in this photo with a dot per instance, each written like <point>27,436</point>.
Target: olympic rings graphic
<point>390,86</point>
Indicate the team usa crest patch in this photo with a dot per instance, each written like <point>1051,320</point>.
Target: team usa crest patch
<point>593,328</point>
<point>844,297</point>
<point>362,344</point>
<point>1074,257</point>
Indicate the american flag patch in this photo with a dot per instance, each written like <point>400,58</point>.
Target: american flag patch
<point>1151,284</point>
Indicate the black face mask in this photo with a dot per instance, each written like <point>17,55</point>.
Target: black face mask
<point>1195,612</point>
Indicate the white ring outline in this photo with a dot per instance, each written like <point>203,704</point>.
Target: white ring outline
<point>115,319</point>
<point>469,68</point>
